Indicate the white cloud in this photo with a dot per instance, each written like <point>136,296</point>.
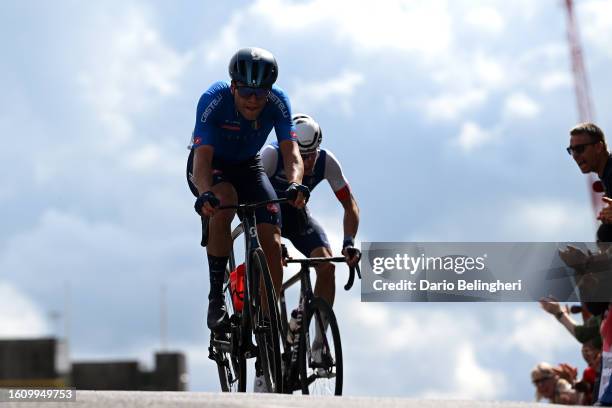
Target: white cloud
<point>538,335</point>
<point>307,96</point>
<point>472,69</point>
<point>546,220</point>
<point>227,42</point>
<point>419,26</point>
<point>489,70</point>
<point>470,380</point>
<point>131,69</point>
<point>551,81</point>
<point>155,158</point>
<point>521,106</point>
<point>20,317</point>
<point>595,20</point>
<point>486,19</point>
<point>452,105</point>
<point>472,136</point>
<point>413,338</point>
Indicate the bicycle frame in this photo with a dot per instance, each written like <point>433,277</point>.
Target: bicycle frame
<point>306,292</point>
<point>251,242</point>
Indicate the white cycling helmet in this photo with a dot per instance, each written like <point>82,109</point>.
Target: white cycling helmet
<point>308,131</point>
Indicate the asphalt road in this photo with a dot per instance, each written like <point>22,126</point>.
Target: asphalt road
<point>141,399</point>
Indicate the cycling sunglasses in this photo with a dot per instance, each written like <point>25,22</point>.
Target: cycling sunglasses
<point>579,148</point>
<point>309,155</point>
<point>247,91</point>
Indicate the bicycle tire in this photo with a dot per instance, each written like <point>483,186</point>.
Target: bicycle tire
<point>232,372</point>
<point>326,379</point>
<point>267,336</point>
<point>231,366</point>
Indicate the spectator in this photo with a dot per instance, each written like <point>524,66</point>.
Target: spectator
<point>589,331</point>
<point>591,352</point>
<point>605,387</point>
<point>551,386</point>
<point>589,149</point>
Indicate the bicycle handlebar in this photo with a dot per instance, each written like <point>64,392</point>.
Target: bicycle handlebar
<point>251,206</point>
<point>320,260</point>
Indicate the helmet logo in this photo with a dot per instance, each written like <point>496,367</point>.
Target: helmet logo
<point>255,55</point>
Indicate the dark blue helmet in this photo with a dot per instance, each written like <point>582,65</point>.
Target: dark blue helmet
<point>254,67</point>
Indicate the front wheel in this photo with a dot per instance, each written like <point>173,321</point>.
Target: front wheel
<point>320,350</point>
<point>231,363</point>
<point>232,371</point>
<point>265,324</point>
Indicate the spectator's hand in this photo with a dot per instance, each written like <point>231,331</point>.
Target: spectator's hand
<point>551,305</point>
<point>298,195</point>
<point>206,203</point>
<point>567,372</point>
<point>573,257</point>
<point>605,215</point>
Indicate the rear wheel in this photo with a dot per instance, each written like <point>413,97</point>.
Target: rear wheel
<point>320,351</point>
<point>265,325</point>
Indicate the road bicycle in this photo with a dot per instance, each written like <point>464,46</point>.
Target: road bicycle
<point>313,348</point>
<point>233,344</point>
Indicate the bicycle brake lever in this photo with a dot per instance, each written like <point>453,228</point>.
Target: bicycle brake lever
<point>349,283</point>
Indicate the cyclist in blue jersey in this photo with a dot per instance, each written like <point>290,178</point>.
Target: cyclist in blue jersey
<point>319,164</point>
<point>224,167</point>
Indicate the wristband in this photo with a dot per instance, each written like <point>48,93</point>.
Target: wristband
<point>348,241</point>
<point>559,315</point>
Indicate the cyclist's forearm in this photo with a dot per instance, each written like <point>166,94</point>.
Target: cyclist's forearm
<point>351,219</point>
<point>202,169</point>
<point>294,167</point>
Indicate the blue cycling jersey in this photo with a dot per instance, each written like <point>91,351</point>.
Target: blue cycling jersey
<point>234,138</point>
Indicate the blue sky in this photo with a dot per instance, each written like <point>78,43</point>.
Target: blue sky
<point>450,119</point>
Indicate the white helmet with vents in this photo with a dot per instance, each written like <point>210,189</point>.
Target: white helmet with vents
<point>308,131</point>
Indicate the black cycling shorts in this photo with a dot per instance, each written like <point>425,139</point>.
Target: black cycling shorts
<point>250,182</point>
<point>306,237</point>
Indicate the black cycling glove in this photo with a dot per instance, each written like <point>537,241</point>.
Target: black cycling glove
<point>295,188</point>
<point>207,197</point>
<point>351,251</point>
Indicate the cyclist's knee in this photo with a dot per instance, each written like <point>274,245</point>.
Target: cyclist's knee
<point>326,272</point>
<point>226,193</point>
<point>269,233</point>
<point>320,252</point>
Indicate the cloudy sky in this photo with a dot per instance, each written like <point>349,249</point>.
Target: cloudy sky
<point>450,119</point>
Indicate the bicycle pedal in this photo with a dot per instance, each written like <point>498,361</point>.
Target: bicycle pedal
<point>224,327</point>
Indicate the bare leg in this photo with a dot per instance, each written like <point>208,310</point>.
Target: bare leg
<point>325,285</point>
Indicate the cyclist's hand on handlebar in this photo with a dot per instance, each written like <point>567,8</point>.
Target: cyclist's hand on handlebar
<point>297,195</point>
<point>284,254</point>
<point>206,203</point>
<point>352,254</point>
